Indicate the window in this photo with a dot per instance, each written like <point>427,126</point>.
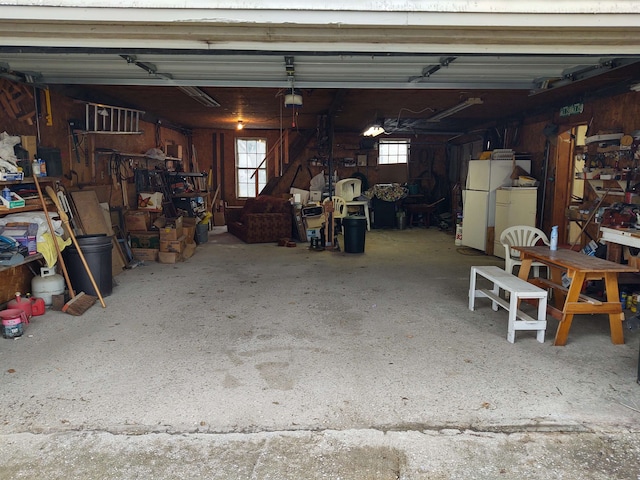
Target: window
<point>251,166</point>
<point>392,152</point>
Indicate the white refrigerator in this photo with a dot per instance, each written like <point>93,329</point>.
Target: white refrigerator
<point>484,177</point>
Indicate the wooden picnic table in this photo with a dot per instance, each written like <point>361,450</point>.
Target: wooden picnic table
<point>568,301</point>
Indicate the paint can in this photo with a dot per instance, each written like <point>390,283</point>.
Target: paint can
<point>13,321</point>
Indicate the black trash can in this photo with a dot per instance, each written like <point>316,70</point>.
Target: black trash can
<point>97,252</point>
<point>354,228</point>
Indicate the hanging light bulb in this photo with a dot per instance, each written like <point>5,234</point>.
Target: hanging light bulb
<point>240,125</point>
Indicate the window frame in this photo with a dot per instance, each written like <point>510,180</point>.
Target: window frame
<point>398,141</point>
<point>261,164</point>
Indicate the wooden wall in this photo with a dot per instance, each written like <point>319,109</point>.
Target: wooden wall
<point>615,113</point>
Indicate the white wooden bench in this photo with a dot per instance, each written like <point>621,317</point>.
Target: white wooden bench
<point>518,290</point>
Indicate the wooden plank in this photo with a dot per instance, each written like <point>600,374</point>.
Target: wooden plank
<point>522,316</point>
<point>93,221</point>
<point>543,282</point>
<point>118,261</point>
<point>90,213</point>
<point>7,106</point>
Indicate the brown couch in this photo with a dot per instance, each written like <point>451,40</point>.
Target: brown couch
<point>262,219</point>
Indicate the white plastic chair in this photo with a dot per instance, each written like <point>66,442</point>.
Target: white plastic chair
<point>350,188</point>
<point>522,236</point>
<point>339,208</point>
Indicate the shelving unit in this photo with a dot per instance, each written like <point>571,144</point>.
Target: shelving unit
<point>18,277</point>
<point>31,204</point>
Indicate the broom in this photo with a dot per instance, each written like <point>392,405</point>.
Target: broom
<point>81,302</point>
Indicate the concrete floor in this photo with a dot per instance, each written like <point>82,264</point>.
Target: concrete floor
<point>267,362</point>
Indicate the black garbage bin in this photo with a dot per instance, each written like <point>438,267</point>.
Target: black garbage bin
<point>97,252</point>
<point>354,228</point>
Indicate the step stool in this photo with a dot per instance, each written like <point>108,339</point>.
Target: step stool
<point>518,289</point>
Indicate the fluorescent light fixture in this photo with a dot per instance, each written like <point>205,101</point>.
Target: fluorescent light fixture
<point>199,96</point>
<point>373,131</point>
<point>455,109</point>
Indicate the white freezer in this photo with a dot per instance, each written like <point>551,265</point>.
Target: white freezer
<point>492,174</point>
<point>484,177</point>
<point>514,206</point>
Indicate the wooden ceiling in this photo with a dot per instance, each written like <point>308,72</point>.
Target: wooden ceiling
<point>404,111</point>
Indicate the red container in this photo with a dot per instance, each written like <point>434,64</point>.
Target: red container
<point>37,306</point>
<point>13,321</point>
<point>21,304</point>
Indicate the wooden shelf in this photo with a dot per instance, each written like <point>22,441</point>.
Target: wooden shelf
<point>29,259</point>
<point>30,180</point>
<point>26,208</point>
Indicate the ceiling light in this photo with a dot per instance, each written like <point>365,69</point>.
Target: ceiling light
<point>635,87</point>
<point>240,125</point>
<point>199,96</point>
<point>293,99</point>
<point>455,109</point>
<point>373,131</point>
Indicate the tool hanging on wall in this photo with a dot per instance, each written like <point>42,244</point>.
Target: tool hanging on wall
<point>47,102</point>
<point>73,125</point>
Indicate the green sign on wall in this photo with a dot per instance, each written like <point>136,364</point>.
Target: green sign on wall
<point>574,109</point>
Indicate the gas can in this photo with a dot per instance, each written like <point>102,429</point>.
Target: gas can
<point>49,283</point>
<point>21,304</point>
<point>37,306</point>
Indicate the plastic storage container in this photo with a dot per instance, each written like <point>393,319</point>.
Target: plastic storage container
<point>355,228</point>
<point>97,252</point>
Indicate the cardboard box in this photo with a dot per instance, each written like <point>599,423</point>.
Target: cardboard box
<point>169,257</point>
<point>23,233</point>
<point>137,220</point>
<point>189,250</point>
<point>146,254</point>
<point>11,176</point>
<point>145,239</point>
<point>189,229</point>
<point>172,230</point>
<point>30,144</point>
<point>189,234</point>
<point>174,151</point>
<point>176,246</point>
<point>218,219</point>
<point>314,221</point>
<point>15,202</point>
<point>315,196</point>
<point>150,201</point>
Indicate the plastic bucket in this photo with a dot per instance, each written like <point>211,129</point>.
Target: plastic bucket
<point>202,233</point>
<point>354,228</point>
<point>97,252</point>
